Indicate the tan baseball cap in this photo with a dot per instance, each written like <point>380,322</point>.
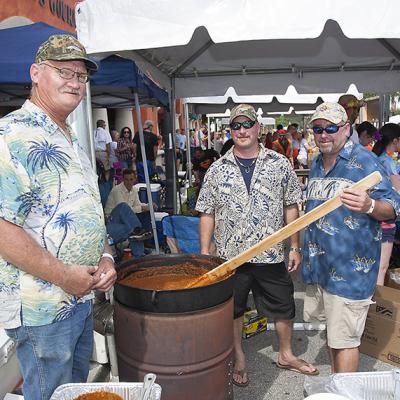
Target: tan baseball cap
<point>332,112</point>
<point>64,48</point>
<point>245,110</point>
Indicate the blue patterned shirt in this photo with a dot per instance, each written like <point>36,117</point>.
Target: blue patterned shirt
<point>47,187</point>
<point>342,249</point>
<point>388,163</point>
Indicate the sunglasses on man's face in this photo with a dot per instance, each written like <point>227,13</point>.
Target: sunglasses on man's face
<point>246,125</point>
<point>330,129</point>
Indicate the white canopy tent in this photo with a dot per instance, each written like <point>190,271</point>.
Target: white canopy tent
<point>202,49</point>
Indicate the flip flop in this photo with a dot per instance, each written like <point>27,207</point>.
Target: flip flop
<point>298,366</point>
<point>241,373</point>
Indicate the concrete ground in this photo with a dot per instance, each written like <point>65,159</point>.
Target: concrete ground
<point>269,382</point>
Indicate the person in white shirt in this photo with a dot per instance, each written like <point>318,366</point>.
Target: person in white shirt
<point>102,145</point>
<point>113,146</point>
<point>305,147</point>
<point>218,142</point>
<point>180,139</point>
<point>122,205</point>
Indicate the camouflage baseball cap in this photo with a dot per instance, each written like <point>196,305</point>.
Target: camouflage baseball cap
<point>64,48</point>
<point>245,110</point>
<point>332,112</point>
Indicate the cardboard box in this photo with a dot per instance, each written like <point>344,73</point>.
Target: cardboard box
<point>253,324</point>
<point>381,338</point>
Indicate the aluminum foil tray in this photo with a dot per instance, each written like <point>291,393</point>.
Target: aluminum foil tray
<point>127,390</point>
<point>382,385</point>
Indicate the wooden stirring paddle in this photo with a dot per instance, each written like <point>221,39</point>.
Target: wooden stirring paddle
<point>227,267</point>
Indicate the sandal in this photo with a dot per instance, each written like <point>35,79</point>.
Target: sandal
<point>241,373</point>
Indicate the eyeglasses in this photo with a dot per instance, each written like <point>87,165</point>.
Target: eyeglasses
<point>330,129</point>
<point>246,125</point>
<point>68,74</point>
<point>126,132</point>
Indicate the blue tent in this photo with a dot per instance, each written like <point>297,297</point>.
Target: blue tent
<point>112,86</point>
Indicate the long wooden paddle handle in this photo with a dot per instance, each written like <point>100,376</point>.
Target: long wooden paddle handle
<point>283,233</point>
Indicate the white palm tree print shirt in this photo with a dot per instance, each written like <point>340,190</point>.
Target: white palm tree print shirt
<point>47,187</point>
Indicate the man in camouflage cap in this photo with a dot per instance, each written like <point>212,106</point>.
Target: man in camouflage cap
<point>342,250</point>
<point>52,211</point>
<point>247,195</point>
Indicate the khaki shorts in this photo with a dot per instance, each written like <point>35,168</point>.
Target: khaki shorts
<point>344,318</point>
<point>102,156</point>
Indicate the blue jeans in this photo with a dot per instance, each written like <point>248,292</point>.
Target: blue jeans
<point>54,354</point>
<point>126,163</point>
<point>140,170</point>
<point>123,221</point>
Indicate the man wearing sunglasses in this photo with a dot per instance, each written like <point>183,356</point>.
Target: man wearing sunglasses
<point>248,194</point>
<point>342,249</point>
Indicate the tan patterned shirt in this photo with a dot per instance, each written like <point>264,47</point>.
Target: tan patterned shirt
<point>243,219</point>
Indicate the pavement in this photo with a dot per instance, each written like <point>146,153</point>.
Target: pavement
<point>269,382</point>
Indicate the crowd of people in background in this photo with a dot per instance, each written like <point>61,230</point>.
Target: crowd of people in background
<point>121,149</point>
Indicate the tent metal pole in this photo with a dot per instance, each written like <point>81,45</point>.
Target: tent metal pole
<point>208,133</point>
<point>146,172</point>
<point>188,155</point>
<point>384,109</point>
<point>88,104</point>
<point>172,143</point>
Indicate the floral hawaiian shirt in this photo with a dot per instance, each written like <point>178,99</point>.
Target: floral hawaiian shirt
<point>47,187</point>
<point>342,249</point>
<point>242,218</point>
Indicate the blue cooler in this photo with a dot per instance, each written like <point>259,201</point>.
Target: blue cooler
<point>160,235</point>
<point>155,193</point>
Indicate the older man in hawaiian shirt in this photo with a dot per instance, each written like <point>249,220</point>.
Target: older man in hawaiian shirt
<point>52,234</point>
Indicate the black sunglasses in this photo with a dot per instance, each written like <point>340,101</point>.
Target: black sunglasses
<point>246,125</point>
<point>330,129</point>
<point>126,132</point>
